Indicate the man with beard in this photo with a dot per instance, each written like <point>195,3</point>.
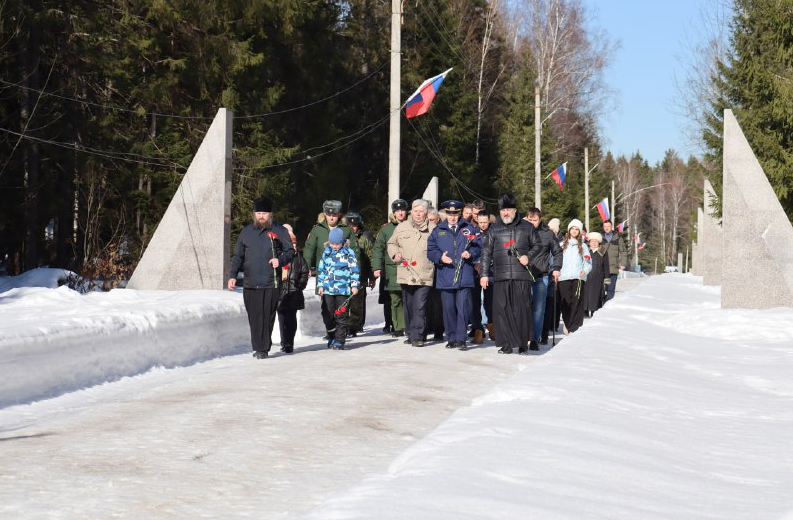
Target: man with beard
<point>262,247</point>
<point>315,245</point>
<point>385,268</point>
<point>511,245</point>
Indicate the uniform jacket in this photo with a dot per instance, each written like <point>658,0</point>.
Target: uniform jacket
<point>292,288</point>
<point>318,239</point>
<point>550,257</point>
<point>505,266</point>
<point>253,253</point>
<point>338,272</point>
<point>443,239</point>
<point>573,262</point>
<point>411,242</point>
<point>617,251</point>
<point>366,246</point>
<point>382,262</point>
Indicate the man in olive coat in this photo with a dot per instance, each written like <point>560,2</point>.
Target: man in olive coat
<point>385,268</point>
<point>262,248</point>
<point>315,244</point>
<point>613,245</point>
<point>366,245</point>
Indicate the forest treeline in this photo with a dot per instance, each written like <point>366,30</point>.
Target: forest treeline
<point>103,104</point>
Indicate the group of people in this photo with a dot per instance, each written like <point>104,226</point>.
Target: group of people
<point>437,268</point>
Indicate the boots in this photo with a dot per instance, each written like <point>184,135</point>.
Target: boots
<point>490,332</point>
<point>479,336</point>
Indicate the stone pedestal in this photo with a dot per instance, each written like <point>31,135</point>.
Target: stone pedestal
<point>190,248</point>
<point>711,240</point>
<point>758,237</point>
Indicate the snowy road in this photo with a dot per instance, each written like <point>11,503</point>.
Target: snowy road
<point>234,437</point>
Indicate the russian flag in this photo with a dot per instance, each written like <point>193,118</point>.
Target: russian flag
<point>621,227</point>
<point>603,209</point>
<point>559,175</point>
<point>639,244</point>
<point>421,99</point>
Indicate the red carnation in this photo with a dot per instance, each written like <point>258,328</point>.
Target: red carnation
<point>342,309</point>
<point>587,257</point>
<point>506,244</point>
<point>471,237</point>
<point>272,235</point>
<point>511,242</point>
<point>337,312</point>
<point>413,263</point>
<point>405,263</point>
<point>286,267</point>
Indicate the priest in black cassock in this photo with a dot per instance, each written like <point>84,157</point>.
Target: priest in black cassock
<point>511,245</point>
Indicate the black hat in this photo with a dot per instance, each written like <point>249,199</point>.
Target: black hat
<point>331,206</point>
<point>507,201</point>
<point>452,207</point>
<point>399,204</point>
<point>354,219</point>
<point>265,204</point>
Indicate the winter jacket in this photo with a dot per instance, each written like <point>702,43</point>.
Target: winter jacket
<point>318,239</point>
<point>594,290</point>
<point>573,262</point>
<point>292,288</point>
<point>382,262</point>
<point>454,243</point>
<point>411,242</point>
<point>617,251</point>
<point>550,257</point>
<point>253,253</point>
<point>338,272</point>
<point>505,265</point>
<point>366,247</point>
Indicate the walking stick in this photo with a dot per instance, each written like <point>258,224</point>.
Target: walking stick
<point>555,290</point>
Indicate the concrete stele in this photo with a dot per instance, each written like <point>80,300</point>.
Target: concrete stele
<point>191,247</point>
<point>711,239</point>
<point>758,272</point>
<point>431,193</point>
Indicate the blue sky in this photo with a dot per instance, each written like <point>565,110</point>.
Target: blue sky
<point>653,35</point>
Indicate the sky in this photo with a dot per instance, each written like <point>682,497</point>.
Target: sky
<point>147,404</point>
<point>655,39</point>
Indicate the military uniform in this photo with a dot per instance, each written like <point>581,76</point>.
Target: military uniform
<point>366,246</point>
<point>382,262</point>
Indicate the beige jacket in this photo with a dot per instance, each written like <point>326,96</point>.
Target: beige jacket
<point>411,242</point>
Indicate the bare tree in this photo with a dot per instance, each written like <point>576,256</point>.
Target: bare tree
<point>483,97</point>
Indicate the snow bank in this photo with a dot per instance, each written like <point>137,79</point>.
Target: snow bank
<point>54,341</point>
<point>662,406</point>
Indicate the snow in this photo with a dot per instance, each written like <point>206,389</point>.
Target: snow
<point>140,405</point>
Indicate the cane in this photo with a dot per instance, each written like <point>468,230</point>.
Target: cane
<point>555,290</point>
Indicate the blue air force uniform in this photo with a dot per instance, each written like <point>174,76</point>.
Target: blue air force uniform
<point>455,294</point>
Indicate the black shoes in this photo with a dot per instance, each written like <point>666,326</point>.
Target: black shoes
<point>352,333</point>
<point>461,345</point>
<point>259,354</point>
<point>534,346</point>
<point>505,350</point>
<point>388,329</point>
<point>544,340</point>
<point>437,337</point>
<point>398,333</point>
<point>287,349</point>
<point>330,334</point>
<point>451,344</point>
<point>523,351</point>
<point>408,341</point>
<point>417,343</point>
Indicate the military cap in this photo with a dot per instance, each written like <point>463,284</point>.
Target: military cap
<point>331,206</point>
<point>399,204</point>
<point>354,219</point>
<point>452,206</point>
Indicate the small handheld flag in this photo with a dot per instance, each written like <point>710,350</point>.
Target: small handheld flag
<point>419,102</point>
<point>603,209</point>
<point>621,227</point>
<point>559,175</point>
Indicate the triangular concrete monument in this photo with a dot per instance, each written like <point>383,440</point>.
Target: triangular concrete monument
<point>758,237</point>
<point>431,193</point>
<point>711,240</point>
<point>191,247</point>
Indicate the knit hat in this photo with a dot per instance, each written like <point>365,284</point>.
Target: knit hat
<point>575,223</point>
<point>336,236</point>
<point>595,236</point>
<point>554,224</point>
<point>263,205</point>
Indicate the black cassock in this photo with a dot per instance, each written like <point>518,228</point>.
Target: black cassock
<point>512,313</point>
<point>594,290</point>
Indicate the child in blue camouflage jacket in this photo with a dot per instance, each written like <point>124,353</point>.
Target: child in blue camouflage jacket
<point>338,279</point>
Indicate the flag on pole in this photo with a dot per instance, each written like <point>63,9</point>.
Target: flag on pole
<point>621,227</point>
<point>559,175</point>
<point>603,209</point>
<point>420,101</point>
<point>639,243</point>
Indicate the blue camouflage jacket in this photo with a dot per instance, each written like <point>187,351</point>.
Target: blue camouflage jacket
<point>443,239</point>
<point>338,271</point>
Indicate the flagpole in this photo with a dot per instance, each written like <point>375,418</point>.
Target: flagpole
<point>537,132</point>
<point>395,99</point>
<point>586,188</point>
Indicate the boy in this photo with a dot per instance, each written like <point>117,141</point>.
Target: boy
<point>338,278</point>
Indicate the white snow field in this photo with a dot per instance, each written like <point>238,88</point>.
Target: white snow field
<point>663,406</point>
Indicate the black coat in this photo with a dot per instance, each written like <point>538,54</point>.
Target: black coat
<point>541,264</point>
<point>505,266</point>
<point>292,289</point>
<point>254,251</point>
<point>594,290</point>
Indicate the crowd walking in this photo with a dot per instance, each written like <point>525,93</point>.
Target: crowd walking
<point>455,273</point>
